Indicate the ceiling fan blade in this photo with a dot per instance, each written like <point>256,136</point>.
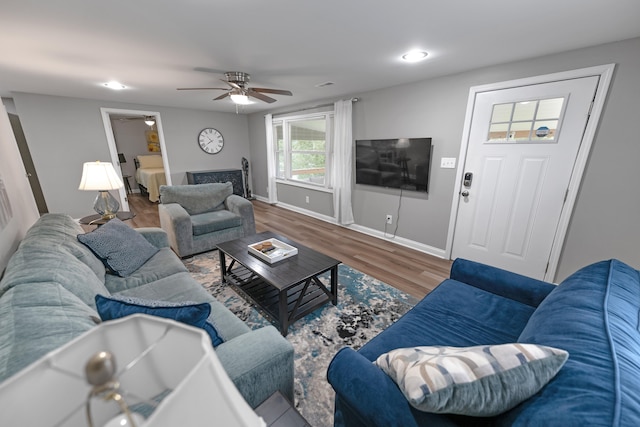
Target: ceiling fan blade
<point>232,84</point>
<point>202,88</point>
<point>224,95</point>
<point>260,96</point>
<point>274,91</point>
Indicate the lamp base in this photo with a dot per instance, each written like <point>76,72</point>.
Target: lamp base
<point>106,205</point>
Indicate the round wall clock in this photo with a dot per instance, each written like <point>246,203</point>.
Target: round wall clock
<point>210,140</point>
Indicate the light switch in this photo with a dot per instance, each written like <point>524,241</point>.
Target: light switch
<point>448,163</point>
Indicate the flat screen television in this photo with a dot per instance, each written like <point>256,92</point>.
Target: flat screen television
<point>394,163</point>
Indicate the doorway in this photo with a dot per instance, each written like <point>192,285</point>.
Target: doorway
<point>524,151</point>
<point>109,114</point>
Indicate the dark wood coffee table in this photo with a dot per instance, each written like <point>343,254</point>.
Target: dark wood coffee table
<point>286,290</point>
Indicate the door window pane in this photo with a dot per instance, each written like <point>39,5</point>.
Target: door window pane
<point>498,131</point>
<point>524,111</point>
<point>526,121</point>
<point>501,113</point>
<point>545,129</point>
<point>550,108</point>
<point>520,131</point>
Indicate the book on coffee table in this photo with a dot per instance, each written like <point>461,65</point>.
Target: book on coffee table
<point>272,250</point>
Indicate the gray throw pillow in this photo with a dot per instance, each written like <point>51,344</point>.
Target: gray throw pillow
<point>480,381</point>
<point>121,248</point>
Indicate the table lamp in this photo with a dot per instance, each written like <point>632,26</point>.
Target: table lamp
<point>102,177</point>
<point>167,374</point>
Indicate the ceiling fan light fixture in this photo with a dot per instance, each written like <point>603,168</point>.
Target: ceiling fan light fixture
<point>240,99</point>
<point>149,120</point>
<point>415,56</point>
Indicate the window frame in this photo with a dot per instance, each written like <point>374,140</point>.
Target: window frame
<point>285,176</point>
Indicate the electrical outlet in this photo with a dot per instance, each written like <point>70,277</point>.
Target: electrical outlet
<point>389,219</point>
<point>306,199</point>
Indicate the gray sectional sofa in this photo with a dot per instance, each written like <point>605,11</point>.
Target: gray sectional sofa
<point>47,298</point>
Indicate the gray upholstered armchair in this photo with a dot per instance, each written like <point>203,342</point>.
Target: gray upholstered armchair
<point>198,217</point>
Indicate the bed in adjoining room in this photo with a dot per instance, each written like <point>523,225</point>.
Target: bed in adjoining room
<point>150,175</point>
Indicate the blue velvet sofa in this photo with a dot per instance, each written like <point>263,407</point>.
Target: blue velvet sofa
<point>48,297</point>
<point>593,314</point>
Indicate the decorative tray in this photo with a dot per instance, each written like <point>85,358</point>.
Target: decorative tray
<point>272,250</point>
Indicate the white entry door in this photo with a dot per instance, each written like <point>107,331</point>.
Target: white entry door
<point>522,148</point>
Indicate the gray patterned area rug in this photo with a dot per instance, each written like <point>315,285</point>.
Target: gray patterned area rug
<point>365,307</point>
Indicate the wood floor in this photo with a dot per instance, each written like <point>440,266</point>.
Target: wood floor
<point>406,269</point>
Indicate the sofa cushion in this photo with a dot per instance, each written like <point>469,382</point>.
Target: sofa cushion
<point>478,317</point>
<point>61,230</point>
<point>50,252</point>
<point>182,287</point>
<point>479,381</point>
<point>37,318</point>
<point>191,313</point>
<point>163,264</point>
<point>197,199</point>
<point>120,247</point>
<point>593,314</point>
<point>209,222</point>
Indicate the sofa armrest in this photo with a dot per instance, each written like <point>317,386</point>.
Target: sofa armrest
<point>244,208</point>
<point>175,220</point>
<point>367,395</point>
<point>259,363</point>
<point>155,235</point>
<point>501,282</point>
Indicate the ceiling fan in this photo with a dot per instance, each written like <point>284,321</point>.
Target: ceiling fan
<point>238,90</point>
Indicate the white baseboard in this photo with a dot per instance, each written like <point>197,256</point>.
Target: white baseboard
<point>421,247</point>
<point>402,241</point>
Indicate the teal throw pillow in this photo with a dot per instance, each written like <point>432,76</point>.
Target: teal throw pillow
<point>190,313</point>
<point>480,381</point>
<point>120,247</point>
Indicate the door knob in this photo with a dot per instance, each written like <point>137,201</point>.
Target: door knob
<point>465,193</point>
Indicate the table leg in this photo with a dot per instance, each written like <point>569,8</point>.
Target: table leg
<point>334,285</point>
<point>223,266</point>
<point>283,314</point>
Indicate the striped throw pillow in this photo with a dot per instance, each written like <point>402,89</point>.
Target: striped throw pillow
<point>483,380</point>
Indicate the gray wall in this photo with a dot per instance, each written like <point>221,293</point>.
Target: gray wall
<point>604,224</point>
<point>63,133</point>
<point>18,210</point>
<point>320,202</point>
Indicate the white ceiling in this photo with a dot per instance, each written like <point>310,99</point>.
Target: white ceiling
<point>71,47</point>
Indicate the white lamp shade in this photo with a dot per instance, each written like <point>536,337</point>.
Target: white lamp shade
<point>99,176</point>
<point>165,356</point>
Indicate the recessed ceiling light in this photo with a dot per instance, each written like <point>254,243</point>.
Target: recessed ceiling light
<point>414,56</point>
<point>114,85</point>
